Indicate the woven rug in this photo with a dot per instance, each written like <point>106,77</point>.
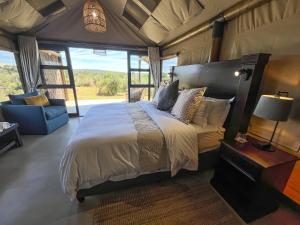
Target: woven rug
<point>185,201</point>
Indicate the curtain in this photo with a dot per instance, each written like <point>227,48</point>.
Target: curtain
<point>154,59</point>
<point>29,56</point>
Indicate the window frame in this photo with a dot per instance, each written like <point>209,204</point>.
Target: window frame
<point>130,85</point>
<point>171,68</point>
<point>68,67</point>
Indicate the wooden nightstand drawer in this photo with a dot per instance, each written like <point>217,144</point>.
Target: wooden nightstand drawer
<point>244,165</point>
<point>247,178</point>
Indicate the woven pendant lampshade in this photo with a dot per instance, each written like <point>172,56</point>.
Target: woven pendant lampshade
<point>93,16</point>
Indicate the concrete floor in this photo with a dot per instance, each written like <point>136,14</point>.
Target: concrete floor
<point>30,192</point>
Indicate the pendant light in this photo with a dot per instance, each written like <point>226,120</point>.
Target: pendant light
<point>93,16</point>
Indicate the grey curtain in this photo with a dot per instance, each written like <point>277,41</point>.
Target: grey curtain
<point>154,59</point>
<point>29,56</point>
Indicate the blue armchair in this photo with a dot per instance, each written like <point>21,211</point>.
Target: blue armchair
<point>36,119</point>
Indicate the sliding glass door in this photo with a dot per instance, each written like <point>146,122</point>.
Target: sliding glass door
<point>140,83</point>
<point>57,75</point>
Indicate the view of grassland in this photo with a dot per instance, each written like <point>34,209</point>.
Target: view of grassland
<point>90,84</point>
<point>9,81</point>
<point>97,84</point>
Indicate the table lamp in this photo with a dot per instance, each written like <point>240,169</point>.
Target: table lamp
<point>272,107</point>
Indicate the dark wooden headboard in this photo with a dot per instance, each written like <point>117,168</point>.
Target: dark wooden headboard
<point>220,81</point>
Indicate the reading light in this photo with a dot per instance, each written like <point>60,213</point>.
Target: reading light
<point>247,72</point>
<point>236,73</point>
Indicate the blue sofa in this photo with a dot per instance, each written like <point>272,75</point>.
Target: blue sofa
<point>36,119</point>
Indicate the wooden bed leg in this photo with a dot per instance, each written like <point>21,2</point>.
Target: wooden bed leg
<point>80,199</point>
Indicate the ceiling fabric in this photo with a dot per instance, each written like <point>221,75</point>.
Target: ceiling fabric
<point>69,27</point>
<point>7,44</point>
<point>212,9</point>
<point>169,15</point>
<point>18,16</point>
<point>168,20</point>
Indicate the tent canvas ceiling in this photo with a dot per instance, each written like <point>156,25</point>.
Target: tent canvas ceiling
<point>168,20</point>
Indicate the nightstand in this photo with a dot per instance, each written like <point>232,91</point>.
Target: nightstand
<point>10,138</point>
<point>247,178</point>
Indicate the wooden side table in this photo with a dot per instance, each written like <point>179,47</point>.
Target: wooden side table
<point>10,138</point>
<point>247,177</point>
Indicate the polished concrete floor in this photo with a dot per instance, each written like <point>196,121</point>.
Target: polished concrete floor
<point>30,192</point>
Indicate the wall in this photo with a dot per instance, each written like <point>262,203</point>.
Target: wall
<point>272,28</point>
<point>188,53</point>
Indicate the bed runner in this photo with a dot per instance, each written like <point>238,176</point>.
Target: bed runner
<point>150,139</point>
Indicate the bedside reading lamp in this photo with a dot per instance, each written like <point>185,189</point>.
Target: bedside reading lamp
<point>273,107</point>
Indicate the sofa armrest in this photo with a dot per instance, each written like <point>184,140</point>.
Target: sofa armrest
<point>57,102</point>
<point>6,103</point>
<point>28,116</point>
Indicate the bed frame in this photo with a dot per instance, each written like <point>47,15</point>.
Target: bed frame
<point>222,83</point>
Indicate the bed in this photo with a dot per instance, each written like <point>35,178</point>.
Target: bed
<point>120,145</point>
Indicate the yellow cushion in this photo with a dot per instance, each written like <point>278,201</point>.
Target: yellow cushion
<point>40,100</point>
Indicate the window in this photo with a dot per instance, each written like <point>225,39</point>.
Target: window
<point>57,75</point>
<point>139,79</point>
<point>167,65</point>
<point>9,80</point>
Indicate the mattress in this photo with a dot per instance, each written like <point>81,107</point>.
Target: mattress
<point>120,141</point>
<point>209,138</point>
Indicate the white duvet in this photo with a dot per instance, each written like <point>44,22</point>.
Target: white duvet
<point>104,147</point>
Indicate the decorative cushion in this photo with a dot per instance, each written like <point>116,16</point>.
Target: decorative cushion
<point>54,111</point>
<point>19,99</point>
<point>136,95</point>
<point>156,96</point>
<point>40,100</point>
<point>187,104</point>
<point>168,96</point>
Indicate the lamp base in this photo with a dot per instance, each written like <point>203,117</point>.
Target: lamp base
<point>264,146</point>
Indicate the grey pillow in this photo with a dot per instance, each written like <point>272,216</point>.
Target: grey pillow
<point>168,96</point>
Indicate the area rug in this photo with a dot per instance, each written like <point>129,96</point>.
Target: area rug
<point>185,201</point>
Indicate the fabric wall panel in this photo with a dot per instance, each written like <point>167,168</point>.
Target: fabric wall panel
<point>7,44</point>
<point>272,28</point>
<point>193,50</point>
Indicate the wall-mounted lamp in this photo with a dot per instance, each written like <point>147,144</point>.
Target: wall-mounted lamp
<point>247,72</point>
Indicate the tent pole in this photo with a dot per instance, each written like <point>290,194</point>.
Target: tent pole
<point>217,37</point>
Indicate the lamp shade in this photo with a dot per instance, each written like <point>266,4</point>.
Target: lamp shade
<point>93,16</point>
<point>274,107</point>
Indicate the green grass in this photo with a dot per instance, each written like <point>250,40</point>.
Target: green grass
<point>90,93</point>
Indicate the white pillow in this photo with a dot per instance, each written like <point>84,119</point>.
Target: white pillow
<point>156,96</point>
<point>218,111</point>
<point>201,116</point>
<point>212,111</point>
<point>187,104</point>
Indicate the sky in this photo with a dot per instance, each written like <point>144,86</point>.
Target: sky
<point>86,59</point>
<point>7,58</point>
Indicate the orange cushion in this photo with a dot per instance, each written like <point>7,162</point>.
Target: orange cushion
<point>40,100</point>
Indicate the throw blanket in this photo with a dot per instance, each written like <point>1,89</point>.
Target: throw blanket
<point>124,140</point>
